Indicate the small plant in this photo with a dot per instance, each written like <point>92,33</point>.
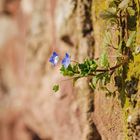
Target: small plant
<point>89,68</point>
<point>121,25</point>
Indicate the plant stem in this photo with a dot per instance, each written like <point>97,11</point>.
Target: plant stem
<point>75,61</point>
<point>114,67</point>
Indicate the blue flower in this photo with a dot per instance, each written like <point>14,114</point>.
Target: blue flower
<point>54,58</point>
<point>66,60</point>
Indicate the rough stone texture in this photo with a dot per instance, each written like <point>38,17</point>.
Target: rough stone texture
<point>33,111</point>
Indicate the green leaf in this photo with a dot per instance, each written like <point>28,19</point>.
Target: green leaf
<point>91,85</point>
<point>138,6</point>
<point>93,67</point>
<point>120,45</point>
<point>131,39</point>
<point>67,71</point>
<point>101,78</point>
<point>55,88</point>
<point>114,3</point>
<point>84,68</point>
<point>62,70</point>
<point>75,69</point>
<point>137,50</point>
<point>109,14</point>
<point>106,78</point>
<point>124,4</point>
<point>131,11</point>
<point>94,81</point>
<point>104,60</point>
<point>87,67</point>
<point>106,39</point>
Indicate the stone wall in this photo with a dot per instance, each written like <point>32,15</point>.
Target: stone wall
<point>32,111</point>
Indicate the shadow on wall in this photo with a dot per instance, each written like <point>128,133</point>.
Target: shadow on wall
<point>35,136</point>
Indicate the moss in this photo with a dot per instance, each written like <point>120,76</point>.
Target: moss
<point>127,107</point>
<point>134,67</point>
<point>134,71</point>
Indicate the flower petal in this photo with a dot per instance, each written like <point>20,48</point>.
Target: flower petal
<point>54,58</point>
<point>66,60</point>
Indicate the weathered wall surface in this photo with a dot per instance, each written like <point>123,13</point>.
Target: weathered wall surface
<point>74,113</point>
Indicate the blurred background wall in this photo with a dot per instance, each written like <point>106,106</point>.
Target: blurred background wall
<point>30,30</point>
